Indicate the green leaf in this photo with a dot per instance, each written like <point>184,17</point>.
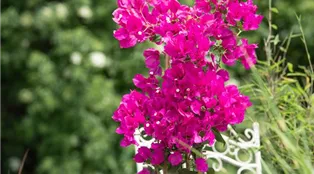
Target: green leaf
<point>186,171</point>
<point>290,67</point>
<point>274,26</point>
<point>174,169</point>
<point>275,10</point>
<point>218,136</point>
<point>282,49</point>
<point>297,74</point>
<point>276,40</point>
<point>211,171</point>
<point>157,38</point>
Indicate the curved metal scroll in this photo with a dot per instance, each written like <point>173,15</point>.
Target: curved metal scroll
<point>233,146</point>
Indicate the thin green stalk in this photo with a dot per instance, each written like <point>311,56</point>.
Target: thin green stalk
<point>307,52</point>
<point>267,43</point>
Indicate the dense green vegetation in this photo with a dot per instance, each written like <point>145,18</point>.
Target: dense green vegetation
<point>284,106</point>
<point>63,74</point>
<point>62,77</point>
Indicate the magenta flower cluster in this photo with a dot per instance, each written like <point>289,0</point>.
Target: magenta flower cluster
<point>184,101</point>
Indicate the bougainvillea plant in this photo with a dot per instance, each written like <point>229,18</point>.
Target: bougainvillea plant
<point>182,103</point>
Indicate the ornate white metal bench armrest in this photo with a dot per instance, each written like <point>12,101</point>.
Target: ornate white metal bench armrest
<point>233,146</point>
<point>230,154</point>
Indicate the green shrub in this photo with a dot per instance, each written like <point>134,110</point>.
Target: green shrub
<point>62,77</point>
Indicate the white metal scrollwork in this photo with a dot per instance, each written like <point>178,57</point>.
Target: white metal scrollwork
<point>234,144</point>
<point>232,148</point>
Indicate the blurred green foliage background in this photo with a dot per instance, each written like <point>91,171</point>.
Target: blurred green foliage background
<point>63,75</point>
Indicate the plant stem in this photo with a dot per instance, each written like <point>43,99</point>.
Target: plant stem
<point>195,151</point>
<point>156,170</point>
<point>23,161</point>
<point>307,53</point>
<point>165,168</point>
<point>267,44</point>
<point>167,62</point>
<point>187,159</point>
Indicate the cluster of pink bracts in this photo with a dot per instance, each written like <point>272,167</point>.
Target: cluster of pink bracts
<point>188,98</point>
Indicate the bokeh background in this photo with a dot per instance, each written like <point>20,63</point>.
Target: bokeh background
<point>63,75</point>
